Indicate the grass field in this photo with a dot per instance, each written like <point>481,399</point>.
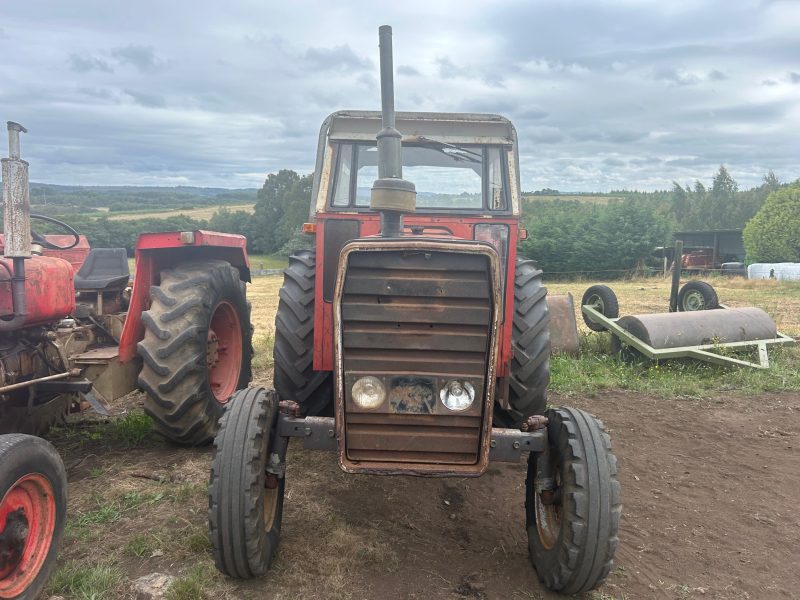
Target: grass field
<point>204,212</point>
<point>595,370</point>
<point>138,504</point>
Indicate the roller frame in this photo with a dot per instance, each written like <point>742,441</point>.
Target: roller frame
<point>702,352</point>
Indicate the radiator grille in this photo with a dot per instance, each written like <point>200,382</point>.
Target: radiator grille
<point>417,313</point>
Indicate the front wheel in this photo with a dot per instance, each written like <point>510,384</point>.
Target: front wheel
<point>572,523</point>
<point>245,506</point>
<point>33,508</point>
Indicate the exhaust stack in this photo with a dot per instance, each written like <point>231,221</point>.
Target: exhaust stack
<point>17,223</point>
<point>391,194</point>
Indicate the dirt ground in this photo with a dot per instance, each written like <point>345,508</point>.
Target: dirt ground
<point>710,496</point>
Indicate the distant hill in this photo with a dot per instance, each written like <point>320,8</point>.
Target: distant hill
<point>61,199</point>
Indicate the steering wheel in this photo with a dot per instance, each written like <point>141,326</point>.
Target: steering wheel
<point>42,241</point>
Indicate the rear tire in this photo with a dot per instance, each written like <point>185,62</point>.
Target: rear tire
<point>572,540</point>
<point>33,508</point>
<point>196,350</point>
<point>244,516</point>
<point>295,377</point>
<point>530,343</point>
<point>697,295</point>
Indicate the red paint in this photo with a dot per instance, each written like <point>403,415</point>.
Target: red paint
<point>158,251</point>
<point>49,289</point>
<point>698,259</point>
<point>75,256</point>
<point>226,333</point>
<point>33,495</point>
<point>462,228</point>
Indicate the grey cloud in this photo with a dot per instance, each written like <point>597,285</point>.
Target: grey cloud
<point>769,82</point>
<point>640,83</point>
<point>490,76</point>
<point>147,99</point>
<point>645,161</point>
<point>448,69</point>
<point>408,71</point>
<point>100,93</point>
<point>693,161</point>
<point>85,64</point>
<point>532,113</point>
<point>142,57</point>
<point>620,136</point>
<point>341,58</point>
<point>674,76</point>
<point>543,135</point>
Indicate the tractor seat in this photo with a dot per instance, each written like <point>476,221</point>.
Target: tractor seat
<point>103,269</point>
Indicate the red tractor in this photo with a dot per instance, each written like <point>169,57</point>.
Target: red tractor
<point>73,331</point>
<point>414,341</point>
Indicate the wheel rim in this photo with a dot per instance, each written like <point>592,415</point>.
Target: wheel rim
<point>27,525</point>
<point>596,302</point>
<point>548,516</point>
<point>224,351</point>
<point>693,301</point>
<point>270,507</point>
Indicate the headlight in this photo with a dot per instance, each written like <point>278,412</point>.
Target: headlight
<point>368,392</point>
<point>457,395</point>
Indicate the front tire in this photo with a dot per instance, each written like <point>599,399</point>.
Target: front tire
<point>196,350</point>
<point>244,515</point>
<point>530,344</point>
<point>33,508</point>
<point>572,536</point>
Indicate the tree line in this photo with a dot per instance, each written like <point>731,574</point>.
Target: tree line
<point>565,236</point>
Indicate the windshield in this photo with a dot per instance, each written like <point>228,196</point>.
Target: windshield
<point>446,176</point>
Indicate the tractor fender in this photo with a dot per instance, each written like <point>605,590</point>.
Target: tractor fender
<point>163,250</point>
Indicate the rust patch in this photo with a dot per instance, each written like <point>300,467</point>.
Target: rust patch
<point>412,395</point>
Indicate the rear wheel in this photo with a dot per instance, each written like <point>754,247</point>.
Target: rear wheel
<point>295,377</point>
<point>572,528</point>
<point>33,506</point>
<point>530,343</point>
<point>245,506</point>
<point>697,295</point>
<point>197,348</point>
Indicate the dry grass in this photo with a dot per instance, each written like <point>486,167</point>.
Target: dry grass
<point>780,299</point>
<point>204,212</point>
<point>263,294</point>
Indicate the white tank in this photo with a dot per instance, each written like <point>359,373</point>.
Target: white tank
<point>781,271</point>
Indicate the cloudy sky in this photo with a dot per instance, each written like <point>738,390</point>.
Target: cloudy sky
<point>605,95</point>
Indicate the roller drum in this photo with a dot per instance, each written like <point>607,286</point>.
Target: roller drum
<point>679,329</point>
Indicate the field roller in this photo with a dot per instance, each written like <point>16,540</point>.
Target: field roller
<point>700,334</point>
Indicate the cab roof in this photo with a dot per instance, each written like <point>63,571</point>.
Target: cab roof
<point>452,128</point>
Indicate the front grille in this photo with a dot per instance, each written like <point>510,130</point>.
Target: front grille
<point>416,313</point>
